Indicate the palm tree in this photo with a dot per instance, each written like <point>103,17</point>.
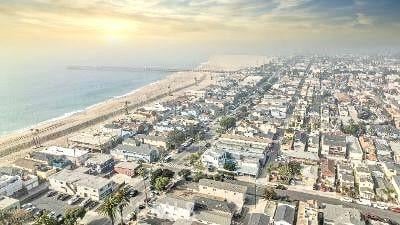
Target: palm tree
<point>73,214</point>
<point>122,199</point>
<point>5,216</point>
<point>142,172</point>
<point>45,219</point>
<point>108,208</point>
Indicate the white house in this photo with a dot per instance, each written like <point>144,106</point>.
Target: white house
<point>10,184</point>
<point>173,208</point>
<point>81,184</point>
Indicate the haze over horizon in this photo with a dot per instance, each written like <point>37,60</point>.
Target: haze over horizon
<point>119,32</point>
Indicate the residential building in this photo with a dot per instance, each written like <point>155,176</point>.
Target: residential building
<point>7,203</point>
<point>55,153</point>
<point>396,185</point>
<point>141,152</point>
<point>230,192</point>
<point>127,168</point>
<point>9,185</point>
<point>78,183</point>
<point>100,163</point>
<point>337,215</point>
<point>173,208</point>
<point>334,147</point>
<point>258,219</point>
<point>284,214</point>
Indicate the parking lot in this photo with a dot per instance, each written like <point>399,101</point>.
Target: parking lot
<point>52,204</point>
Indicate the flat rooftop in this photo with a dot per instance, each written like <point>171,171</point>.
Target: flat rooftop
<point>60,151</point>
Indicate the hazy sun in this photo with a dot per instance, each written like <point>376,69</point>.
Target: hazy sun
<point>113,30</point>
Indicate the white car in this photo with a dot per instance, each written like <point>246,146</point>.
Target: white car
<point>363,201</point>
<point>346,199</point>
<point>27,205</point>
<point>380,205</point>
<point>73,200</point>
<point>84,202</point>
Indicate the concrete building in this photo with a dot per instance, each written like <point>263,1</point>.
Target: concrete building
<point>9,185</point>
<point>173,208</point>
<point>142,152</point>
<point>7,203</point>
<point>337,215</point>
<point>230,192</point>
<point>49,154</point>
<point>84,185</point>
<point>100,163</point>
<point>126,168</point>
<point>284,214</point>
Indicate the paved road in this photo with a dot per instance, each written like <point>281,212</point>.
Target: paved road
<point>306,195</point>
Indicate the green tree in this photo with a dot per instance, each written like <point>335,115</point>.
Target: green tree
<point>122,198</point>
<point>109,208</point>
<point>45,219</point>
<point>185,173</point>
<point>175,138</point>
<point>270,194</point>
<point>161,183</point>
<point>231,166</point>
<point>295,168</point>
<point>227,122</point>
<point>142,172</point>
<point>72,215</point>
<point>197,176</point>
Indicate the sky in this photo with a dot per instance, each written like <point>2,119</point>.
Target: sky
<point>136,32</point>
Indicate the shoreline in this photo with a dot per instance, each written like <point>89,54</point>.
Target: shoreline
<point>61,127</point>
<point>74,112</point>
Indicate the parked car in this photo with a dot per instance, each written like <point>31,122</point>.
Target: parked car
<point>346,199</point>
<point>73,200</point>
<point>85,202</point>
<point>51,193</point>
<point>133,193</point>
<point>379,205</point>
<point>65,197</point>
<point>60,196</point>
<point>27,205</point>
<point>281,187</point>
<point>395,209</point>
<point>363,201</point>
<point>131,216</point>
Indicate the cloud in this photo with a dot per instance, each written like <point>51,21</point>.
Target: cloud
<point>362,19</point>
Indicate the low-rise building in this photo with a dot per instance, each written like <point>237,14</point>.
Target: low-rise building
<point>100,163</point>
<point>141,152</point>
<point>55,153</point>
<point>230,192</point>
<point>7,203</point>
<point>173,208</point>
<point>126,168</point>
<point>337,214</point>
<point>84,185</point>
<point>284,214</point>
<point>9,185</point>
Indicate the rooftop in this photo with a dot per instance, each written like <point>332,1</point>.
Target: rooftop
<point>60,151</point>
<point>223,185</point>
<point>81,179</point>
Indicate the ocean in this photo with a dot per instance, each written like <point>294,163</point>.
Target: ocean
<point>29,97</point>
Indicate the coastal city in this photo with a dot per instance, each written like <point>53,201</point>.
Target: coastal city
<point>299,140</point>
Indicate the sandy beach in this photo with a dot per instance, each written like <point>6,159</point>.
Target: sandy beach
<point>56,131</point>
<point>18,144</point>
